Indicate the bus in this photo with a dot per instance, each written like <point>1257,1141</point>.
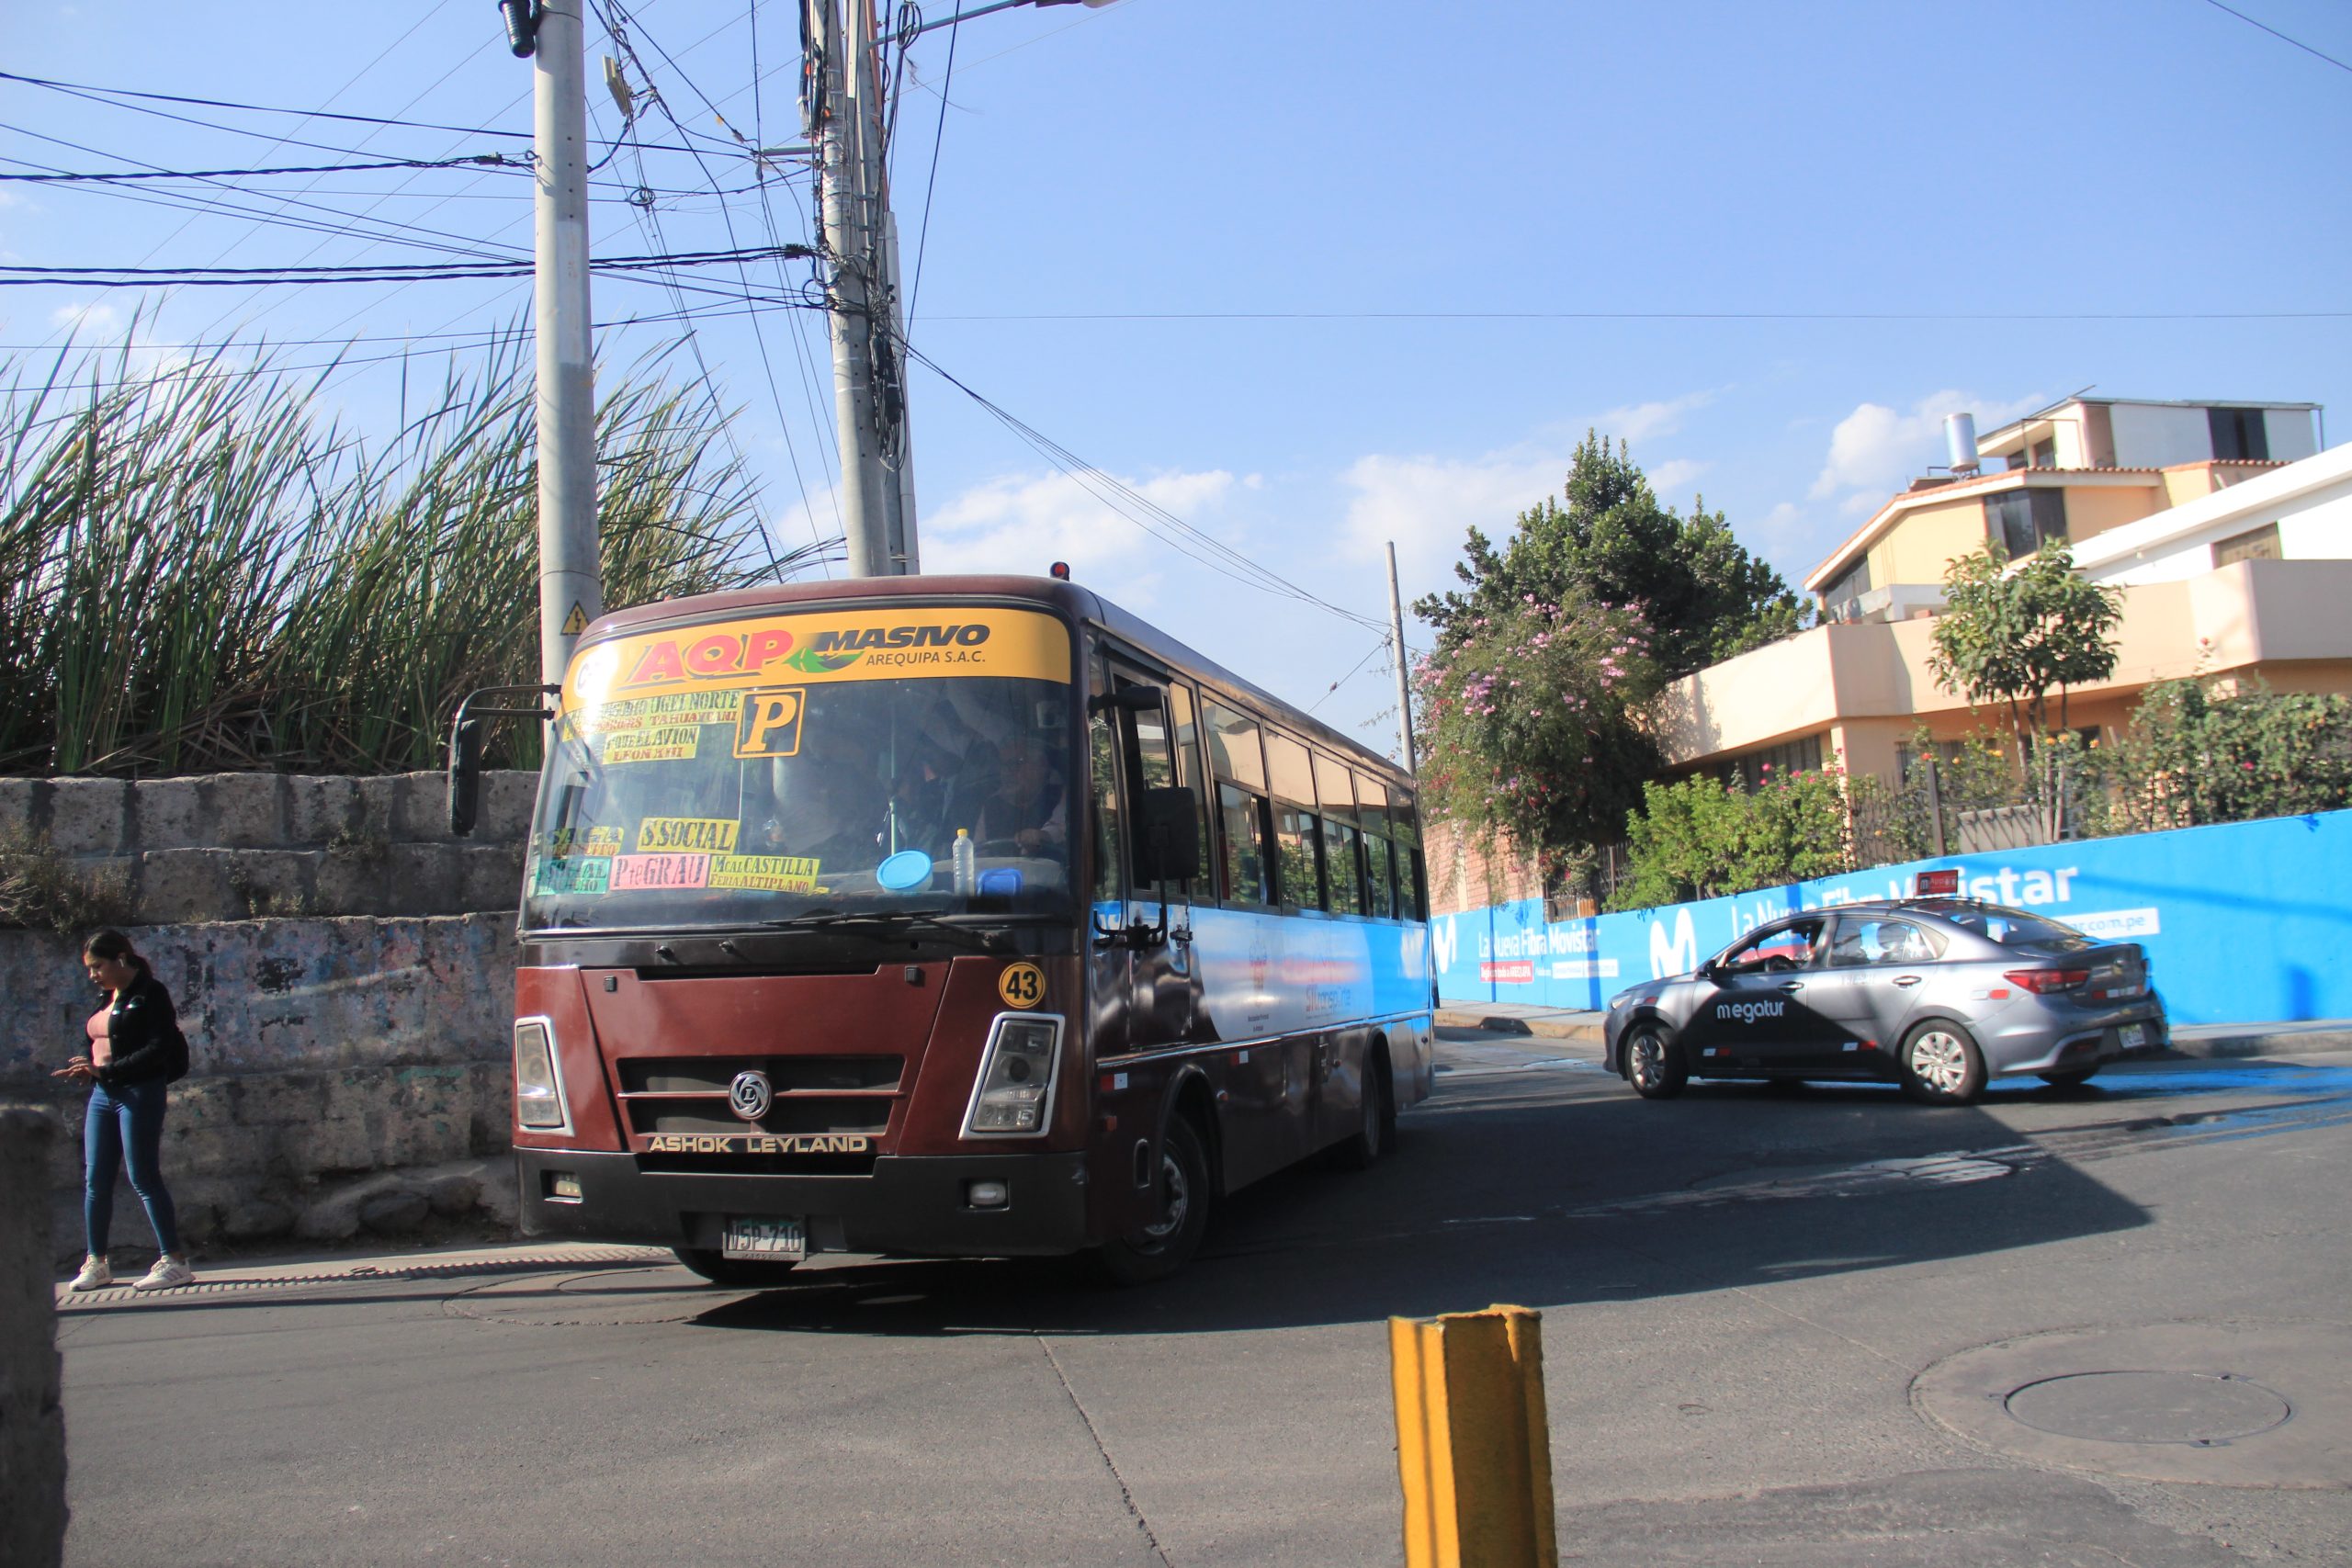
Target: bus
<point>944,917</point>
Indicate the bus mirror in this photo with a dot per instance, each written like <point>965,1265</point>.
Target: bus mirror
<point>1167,837</point>
<point>465,775</point>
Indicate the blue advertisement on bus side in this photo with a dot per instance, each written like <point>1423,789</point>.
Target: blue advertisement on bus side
<point>2248,922</point>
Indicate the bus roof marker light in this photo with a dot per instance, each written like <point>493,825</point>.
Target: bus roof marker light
<point>1061,570</point>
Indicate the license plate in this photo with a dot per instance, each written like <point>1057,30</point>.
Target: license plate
<point>777,1239</point>
<point>2131,1035</point>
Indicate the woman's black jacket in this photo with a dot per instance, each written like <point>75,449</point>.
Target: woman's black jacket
<point>145,1037</point>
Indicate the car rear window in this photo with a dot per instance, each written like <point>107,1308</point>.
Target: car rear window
<point>2015,928</point>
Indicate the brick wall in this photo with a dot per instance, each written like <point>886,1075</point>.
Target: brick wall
<point>1470,870</point>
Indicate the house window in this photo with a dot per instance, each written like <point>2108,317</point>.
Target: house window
<point>2022,521</point>
<point>1843,596</point>
<point>2255,544</point>
<point>1756,769</point>
<point>2045,454</point>
<point>2239,435</point>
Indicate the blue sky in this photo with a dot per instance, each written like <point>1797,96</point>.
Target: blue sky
<point>1313,275</point>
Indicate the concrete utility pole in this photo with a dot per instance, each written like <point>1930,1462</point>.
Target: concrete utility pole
<point>850,250</point>
<point>571,583</point>
<point>1404,679</point>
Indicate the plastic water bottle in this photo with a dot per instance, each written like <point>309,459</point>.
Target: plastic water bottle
<point>968,864</point>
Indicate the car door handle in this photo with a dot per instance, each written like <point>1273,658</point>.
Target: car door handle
<point>1792,985</point>
<point>1906,980</point>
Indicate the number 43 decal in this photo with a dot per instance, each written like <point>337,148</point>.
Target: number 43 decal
<point>1022,985</point>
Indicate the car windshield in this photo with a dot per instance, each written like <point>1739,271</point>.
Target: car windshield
<point>810,764</point>
<point>2015,928</point>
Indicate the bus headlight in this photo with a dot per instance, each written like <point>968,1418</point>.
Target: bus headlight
<point>538,1090</point>
<point>1014,1096</point>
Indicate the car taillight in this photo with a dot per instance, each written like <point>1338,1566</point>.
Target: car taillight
<point>2041,982</point>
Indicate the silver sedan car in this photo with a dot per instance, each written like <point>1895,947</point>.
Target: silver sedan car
<point>1940,995</point>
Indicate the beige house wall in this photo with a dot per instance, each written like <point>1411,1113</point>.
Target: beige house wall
<point>2093,510</point>
<point>1927,539</point>
<point>1865,687</point>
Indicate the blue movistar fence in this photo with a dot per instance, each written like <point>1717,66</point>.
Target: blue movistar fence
<point>2249,923</point>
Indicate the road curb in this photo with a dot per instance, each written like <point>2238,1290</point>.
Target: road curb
<point>1505,1024</point>
<point>2299,1043</point>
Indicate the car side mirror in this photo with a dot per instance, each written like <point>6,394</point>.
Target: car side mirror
<point>1706,970</point>
<point>1167,834</point>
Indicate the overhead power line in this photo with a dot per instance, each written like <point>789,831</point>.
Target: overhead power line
<point>2282,38</point>
<point>489,160</point>
<point>151,277</point>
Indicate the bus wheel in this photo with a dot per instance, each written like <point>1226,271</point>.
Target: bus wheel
<point>1159,1250</point>
<point>742,1273</point>
<point>1376,1129</point>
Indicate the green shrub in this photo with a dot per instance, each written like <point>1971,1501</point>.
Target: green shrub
<point>2193,756</point>
<point>1701,838</point>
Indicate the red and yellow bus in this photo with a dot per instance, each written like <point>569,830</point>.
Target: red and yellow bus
<point>955,916</point>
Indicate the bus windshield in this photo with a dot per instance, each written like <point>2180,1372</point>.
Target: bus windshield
<point>807,764</point>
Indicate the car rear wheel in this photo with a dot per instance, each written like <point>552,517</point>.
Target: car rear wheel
<point>738,1273</point>
<point>1654,1065</point>
<point>1941,1066</point>
<point>2075,1078</point>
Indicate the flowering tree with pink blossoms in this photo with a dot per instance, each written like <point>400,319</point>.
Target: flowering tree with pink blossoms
<point>1533,723</point>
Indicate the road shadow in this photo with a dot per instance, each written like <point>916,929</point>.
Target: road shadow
<point>1542,1187</point>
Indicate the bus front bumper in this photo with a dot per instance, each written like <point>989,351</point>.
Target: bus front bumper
<point>910,1205</point>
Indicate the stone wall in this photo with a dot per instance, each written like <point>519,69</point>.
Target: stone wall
<point>344,1073</point>
<point>32,1418</point>
<point>233,846</point>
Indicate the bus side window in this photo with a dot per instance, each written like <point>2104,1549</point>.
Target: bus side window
<point>1380,877</point>
<point>1297,838</point>
<point>1341,869</point>
<point>1102,750</point>
<point>1242,817</point>
<point>1235,755</point>
<point>1405,823</point>
<point>1189,774</point>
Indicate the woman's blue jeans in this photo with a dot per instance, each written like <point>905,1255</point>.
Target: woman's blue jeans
<point>125,1127</point>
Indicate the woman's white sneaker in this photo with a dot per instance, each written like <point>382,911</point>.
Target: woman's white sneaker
<point>95,1275</point>
<point>168,1274</point>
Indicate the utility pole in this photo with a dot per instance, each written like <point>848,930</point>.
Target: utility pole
<point>1404,682</point>
<point>849,251</point>
<point>571,583</point>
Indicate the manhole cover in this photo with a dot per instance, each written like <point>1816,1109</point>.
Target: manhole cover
<point>2198,1408</point>
<point>2226,1403</point>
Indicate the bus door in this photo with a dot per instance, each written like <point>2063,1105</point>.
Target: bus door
<point>1163,985</point>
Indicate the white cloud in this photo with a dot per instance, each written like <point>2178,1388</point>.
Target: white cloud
<point>1638,422</point>
<point>92,319</point>
<point>1425,504</point>
<point>1022,523</point>
<point>1876,450</point>
<point>1671,476</point>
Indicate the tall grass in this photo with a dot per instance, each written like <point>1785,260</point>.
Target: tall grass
<point>200,570</point>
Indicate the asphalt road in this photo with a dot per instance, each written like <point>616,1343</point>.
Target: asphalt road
<point>1764,1320</point>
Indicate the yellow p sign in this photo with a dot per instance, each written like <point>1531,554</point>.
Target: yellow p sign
<point>769,725</point>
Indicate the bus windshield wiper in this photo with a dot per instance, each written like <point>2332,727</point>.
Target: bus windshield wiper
<point>928,920</point>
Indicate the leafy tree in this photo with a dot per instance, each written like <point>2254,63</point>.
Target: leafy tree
<point>1531,722</point>
<point>1700,838</point>
<point>1607,541</point>
<point>2013,635</point>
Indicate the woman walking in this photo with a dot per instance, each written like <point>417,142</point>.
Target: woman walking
<point>136,1050</point>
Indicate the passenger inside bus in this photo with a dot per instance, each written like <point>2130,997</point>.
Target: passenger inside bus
<point>1029,808</point>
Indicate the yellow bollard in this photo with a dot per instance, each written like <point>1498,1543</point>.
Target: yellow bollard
<point>1471,1442</point>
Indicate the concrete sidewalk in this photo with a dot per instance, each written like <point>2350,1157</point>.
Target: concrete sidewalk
<point>2188,1040</point>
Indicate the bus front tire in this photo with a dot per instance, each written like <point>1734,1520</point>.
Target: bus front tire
<point>1156,1251</point>
<point>739,1273</point>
